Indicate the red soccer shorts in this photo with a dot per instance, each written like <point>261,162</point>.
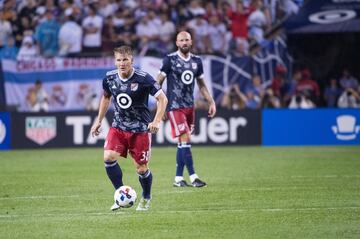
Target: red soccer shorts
<point>182,121</point>
<point>137,144</point>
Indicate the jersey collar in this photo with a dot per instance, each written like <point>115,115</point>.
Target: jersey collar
<point>185,59</point>
<point>126,79</point>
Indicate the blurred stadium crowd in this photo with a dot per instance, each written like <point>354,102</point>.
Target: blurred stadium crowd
<point>92,28</point>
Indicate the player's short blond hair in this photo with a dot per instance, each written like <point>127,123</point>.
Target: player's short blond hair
<point>124,50</point>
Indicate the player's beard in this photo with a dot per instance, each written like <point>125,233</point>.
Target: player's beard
<point>185,50</point>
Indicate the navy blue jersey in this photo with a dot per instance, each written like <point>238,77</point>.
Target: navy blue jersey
<point>130,98</point>
<point>181,74</point>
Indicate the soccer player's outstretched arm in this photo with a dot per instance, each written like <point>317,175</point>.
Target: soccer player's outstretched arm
<point>104,105</point>
<point>205,92</point>
<point>161,106</point>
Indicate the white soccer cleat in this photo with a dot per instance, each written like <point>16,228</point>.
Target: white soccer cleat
<point>144,205</point>
<point>114,207</point>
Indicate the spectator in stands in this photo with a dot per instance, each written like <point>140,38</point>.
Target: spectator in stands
<point>332,93</point>
<point>233,99</point>
<point>210,11</point>
<point>199,28</point>
<point>166,31</point>
<point>108,36</point>
<point>269,100</point>
<point>28,10</point>
<point>217,36</point>
<point>28,49</point>
<point>257,23</point>
<point>308,87</point>
<point>251,100</point>
<point>238,20</point>
<point>241,48</point>
<point>107,8</point>
<point>347,81</point>
<point>349,99</point>
<point>92,27</point>
<point>23,28</point>
<point>126,33</point>
<point>9,51</point>
<point>47,35</point>
<point>278,85</point>
<point>290,87</point>
<point>148,32</point>
<point>195,8</point>
<point>70,36</point>
<point>5,29</point>
<point>256,87</point>
<point>301,101</point>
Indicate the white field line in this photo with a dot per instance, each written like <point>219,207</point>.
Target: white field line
<point>134,213</point>
<point>179,191</point>
<point>38,197</point>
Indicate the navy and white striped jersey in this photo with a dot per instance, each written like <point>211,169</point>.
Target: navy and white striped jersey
<point>130,97</point>
<point>180,74</point>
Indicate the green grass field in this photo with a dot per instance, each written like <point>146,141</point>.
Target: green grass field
<point>253,192</point>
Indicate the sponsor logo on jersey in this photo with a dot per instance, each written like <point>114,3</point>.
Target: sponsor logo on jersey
<point>40,129</point>
<point>123,100</point>
<point>187,77</point>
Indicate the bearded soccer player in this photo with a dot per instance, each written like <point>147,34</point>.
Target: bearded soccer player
<point>181,68</point>
<point>131,128</point>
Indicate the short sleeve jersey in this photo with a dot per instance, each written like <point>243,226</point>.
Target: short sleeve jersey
<point>130,97</point>
<point>181,74</point>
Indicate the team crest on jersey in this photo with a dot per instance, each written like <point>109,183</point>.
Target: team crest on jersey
<point>134,86</point>
<point>194,65</point>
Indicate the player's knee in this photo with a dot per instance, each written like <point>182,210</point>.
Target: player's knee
<point>141,169</point>
<point>109,156</point>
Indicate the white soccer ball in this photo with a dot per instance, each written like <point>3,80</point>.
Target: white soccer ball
<point>125,196</point>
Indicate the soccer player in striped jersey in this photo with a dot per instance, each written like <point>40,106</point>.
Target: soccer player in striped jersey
<point>131,128</point>
<point>181,68</point>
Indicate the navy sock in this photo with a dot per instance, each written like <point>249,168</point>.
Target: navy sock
<point>179,162</point>
<point>187,157</point>
<point>114,173</point>
<point>145,180</point>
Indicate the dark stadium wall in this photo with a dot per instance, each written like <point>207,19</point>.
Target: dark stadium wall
<point>56,130</point>
<point>326,55</point>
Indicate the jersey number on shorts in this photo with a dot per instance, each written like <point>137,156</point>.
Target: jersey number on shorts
<point>145,156</point>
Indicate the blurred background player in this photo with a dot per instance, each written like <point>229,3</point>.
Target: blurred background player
<point>180,69</point>
<point>130,89</point>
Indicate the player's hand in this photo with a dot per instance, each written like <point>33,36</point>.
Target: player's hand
<point>212,109</point>
<point>154,127</point>
<point>95,129</point>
